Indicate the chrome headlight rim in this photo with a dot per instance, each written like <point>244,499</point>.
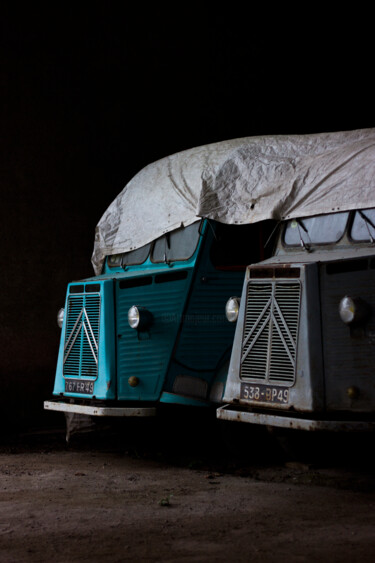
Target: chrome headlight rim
<point>60,317</point>
<point>347,310</point>
<point>353,311</point>
<point>139,318</point>
<point>134,317</point>
<point>232,309</point>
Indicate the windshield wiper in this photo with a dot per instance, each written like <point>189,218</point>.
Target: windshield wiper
<point>368,222</point>
<point>304,245</point>
<point>272,233</point>
<point>167,244</point>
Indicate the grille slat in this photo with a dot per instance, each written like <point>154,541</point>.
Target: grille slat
<point>270,331</point>
<point>82,335</point>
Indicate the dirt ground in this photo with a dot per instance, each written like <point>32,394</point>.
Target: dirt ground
<point>137,492</point>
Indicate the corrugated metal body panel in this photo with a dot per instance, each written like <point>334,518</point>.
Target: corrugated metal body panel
<point>205,321</point>
<point>146,355</point>
<point>349,353</point>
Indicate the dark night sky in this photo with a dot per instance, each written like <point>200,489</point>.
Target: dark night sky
<point>93,92</point>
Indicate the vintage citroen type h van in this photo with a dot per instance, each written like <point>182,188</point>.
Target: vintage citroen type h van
<point>304,348</point>
<point>150,329</point>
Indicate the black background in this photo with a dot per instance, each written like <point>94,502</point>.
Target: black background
<point>92,92</point>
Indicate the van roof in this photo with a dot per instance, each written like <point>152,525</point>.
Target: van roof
<point>241,181</point>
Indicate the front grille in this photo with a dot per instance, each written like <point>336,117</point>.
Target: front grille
<point>82,335</point>
<point>270,332</point>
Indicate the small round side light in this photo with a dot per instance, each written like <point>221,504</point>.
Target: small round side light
<point>133,381</point>
<point>352,392</point>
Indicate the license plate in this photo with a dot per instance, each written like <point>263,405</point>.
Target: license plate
<point>79,386</point>
<point>265,393</point>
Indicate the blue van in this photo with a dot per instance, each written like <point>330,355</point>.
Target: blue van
<point>150,328</point>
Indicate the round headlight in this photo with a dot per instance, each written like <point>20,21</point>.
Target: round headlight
<point>232,309</point>
<point>353,310</point>
<point>60,317</point>
<point>133,317</point>
<point>347,310</point>
<point>139,318</point>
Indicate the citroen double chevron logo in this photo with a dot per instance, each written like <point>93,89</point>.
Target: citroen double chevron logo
<point>82,328</point>
<point>269,324</point>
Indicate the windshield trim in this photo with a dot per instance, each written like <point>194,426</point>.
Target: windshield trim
<point>169,261</point>
<point>368,222</point>
<point>123,254</point>
<point>306,245</point>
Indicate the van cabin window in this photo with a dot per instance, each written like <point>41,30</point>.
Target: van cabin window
<point>176,245</point>
<point>132,258</point>
<point>363,227</point>
<point>237,246</point>
<point>322,229</point>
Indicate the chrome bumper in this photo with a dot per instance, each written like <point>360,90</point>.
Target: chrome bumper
<point>227,412</point>
<point>98,411</point>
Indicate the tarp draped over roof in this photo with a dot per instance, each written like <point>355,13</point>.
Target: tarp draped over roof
<point>241,181</point>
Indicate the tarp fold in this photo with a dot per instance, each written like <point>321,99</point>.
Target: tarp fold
<point>241,181</point>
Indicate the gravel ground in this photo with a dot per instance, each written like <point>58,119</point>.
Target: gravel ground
<point>130,494</point>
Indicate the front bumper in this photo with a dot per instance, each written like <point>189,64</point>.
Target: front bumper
<point>228,412</point>
<point>99,411</point>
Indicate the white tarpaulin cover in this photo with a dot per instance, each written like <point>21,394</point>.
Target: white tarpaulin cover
<point>241,181</point>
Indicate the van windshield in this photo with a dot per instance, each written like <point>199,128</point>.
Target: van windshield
<point>131,258</point>
<point>363,228</point>
<point>322,229</point>
<point>177,245</point>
